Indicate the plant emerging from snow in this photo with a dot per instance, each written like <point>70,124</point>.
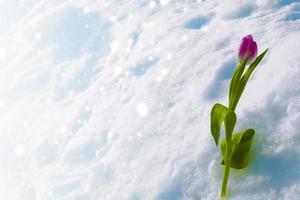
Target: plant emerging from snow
<point>235,147</point>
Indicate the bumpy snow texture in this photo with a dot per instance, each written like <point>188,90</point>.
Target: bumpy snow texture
<point>110,100</point>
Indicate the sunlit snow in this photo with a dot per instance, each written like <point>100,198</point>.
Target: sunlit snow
<point>111,99</point>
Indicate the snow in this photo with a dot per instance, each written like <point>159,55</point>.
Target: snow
<point>111,99</point>
<point>142,109</point>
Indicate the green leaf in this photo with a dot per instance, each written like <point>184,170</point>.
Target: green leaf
<point>241,84</point>
<point>241,149</point>
<point>257,60</point>
<point>224,151</point>
<point>230,121</point>
<point>219,113</point>
<point>235,78</point>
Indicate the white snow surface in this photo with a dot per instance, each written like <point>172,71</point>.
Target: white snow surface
<point>110,100</point>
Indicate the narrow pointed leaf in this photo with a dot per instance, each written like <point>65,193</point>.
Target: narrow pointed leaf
<point>241,84</point>
<point>234,80</point>
<point>257,60</point>
<point>249,71</point>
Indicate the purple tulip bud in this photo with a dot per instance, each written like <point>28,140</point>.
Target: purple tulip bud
<point>248,49</point>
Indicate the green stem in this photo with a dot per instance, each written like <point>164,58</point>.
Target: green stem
<point>225,178</point>
<point>227,167</point>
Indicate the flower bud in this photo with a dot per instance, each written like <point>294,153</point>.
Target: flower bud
<point>248,49</point>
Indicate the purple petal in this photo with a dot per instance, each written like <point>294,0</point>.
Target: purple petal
<point>248,48</point>
<point>252,50</point>
<point>249,37</point>
<point>244,47</point>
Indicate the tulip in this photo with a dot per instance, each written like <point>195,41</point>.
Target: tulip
<point>235,147</point>
<point>248,49</point>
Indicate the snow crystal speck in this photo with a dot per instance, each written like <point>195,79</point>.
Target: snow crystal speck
<point>164,71</point>
<point>142,109</point>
